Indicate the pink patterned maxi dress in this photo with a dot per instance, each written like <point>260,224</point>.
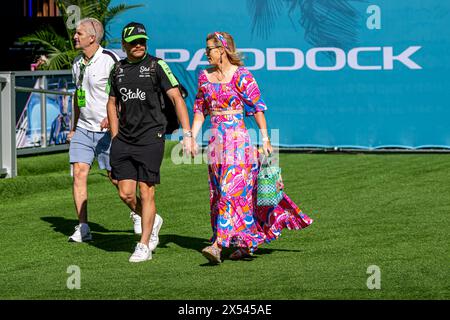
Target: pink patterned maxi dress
<point>233,167</point>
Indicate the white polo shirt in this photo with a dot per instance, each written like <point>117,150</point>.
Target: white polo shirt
<point>95,80</point>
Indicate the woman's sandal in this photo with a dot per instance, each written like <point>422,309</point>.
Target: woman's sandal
<point>212,253</point>
<point>240,253</point>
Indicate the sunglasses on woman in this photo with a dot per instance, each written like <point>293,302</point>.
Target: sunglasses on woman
<point>208,49</point>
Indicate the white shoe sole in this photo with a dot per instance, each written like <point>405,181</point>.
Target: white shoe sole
<point>86,239</point>
<point>135,261</point>
<point>139,260</point>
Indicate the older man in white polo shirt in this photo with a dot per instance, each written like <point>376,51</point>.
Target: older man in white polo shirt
<point>90,137</point>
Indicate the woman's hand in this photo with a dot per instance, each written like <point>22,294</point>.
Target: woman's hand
<point>267,148</point>
<point>190,146</point>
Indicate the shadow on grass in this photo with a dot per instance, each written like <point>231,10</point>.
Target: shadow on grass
<point>66,226</point>
<point>120,240</point>
<point>198,244</point>
<point>125,240</point>
<point>259,253</point>
<point>102,238</point>
<point>186,242</point>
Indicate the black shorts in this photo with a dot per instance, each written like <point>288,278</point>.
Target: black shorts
<point>138,163</point>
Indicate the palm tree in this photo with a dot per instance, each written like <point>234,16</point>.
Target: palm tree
<point>326,23</point>
<point>60,49</point>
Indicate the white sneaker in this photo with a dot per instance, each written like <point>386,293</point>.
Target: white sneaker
<point>136,222</point>
<point>141,253</point>
<point>82,233</point>
<point>154,239</point>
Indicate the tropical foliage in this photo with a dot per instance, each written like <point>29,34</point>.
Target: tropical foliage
<point>60,49</point>
<point>325,22</point>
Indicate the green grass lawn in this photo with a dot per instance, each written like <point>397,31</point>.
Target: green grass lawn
<point>391,211</point>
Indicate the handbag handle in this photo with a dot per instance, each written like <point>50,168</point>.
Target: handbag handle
<point>268,162</point>
<point>265,160</point>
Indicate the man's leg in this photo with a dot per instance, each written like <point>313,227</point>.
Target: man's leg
<point>80,197</point>
<point>151,158</point>
<point>127,192</point>
<point>134,205</point>
<point>114,182</point>
<point>148,210</point>
<point>80,193</point>
<point>117,153</point>
<point>81,155</point>
<point>129,197</point>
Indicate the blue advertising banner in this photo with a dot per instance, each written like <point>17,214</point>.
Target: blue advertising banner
<point>341,73</point>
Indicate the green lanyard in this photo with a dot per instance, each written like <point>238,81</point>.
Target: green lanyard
<point>81,94</point>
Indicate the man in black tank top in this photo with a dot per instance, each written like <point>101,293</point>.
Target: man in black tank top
<point>137,129</point>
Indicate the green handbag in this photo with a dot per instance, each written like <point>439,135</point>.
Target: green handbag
<point>269,185</point>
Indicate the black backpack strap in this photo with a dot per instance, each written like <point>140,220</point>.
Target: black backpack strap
<point>109,53</point>
<point>116,68</point>
<point>155,82</point>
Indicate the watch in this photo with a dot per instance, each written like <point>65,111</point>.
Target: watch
<point>187,134</point>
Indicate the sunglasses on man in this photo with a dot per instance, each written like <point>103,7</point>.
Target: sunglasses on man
<point>142,42</point>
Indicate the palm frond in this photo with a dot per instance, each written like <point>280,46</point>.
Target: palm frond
<point>60,60</point>
<point>49,39</point>
<point>86,6</point>
<point>92,10</point>
<point>113,12</point>
<point>60,53</point>
<point>109,15</point>
<point>326,23</point>
<point>330,23</point>
<point>60,49</point>
<point>265,13</point>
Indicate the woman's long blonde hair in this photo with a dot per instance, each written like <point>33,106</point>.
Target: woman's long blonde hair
<point>233,56</point>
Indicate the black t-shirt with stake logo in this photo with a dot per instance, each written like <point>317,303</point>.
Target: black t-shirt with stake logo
<point>141,120</point>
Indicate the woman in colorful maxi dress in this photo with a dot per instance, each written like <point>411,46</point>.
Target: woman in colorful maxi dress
<point>226,92</point>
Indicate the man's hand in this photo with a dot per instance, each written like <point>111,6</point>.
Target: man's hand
<point>104,124</point>
<point>195,148</point>
<point>70,135</point>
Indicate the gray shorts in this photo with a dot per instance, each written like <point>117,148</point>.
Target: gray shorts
<point>87,145</point>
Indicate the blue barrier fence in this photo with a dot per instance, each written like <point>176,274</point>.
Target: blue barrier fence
<point>354,74</point>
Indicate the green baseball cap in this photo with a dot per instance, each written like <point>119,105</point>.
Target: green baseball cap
<point>133,31</point>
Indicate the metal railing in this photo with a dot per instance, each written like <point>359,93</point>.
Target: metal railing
<point>8,150</point>
<point>3,171</point>
<point>43,110</point>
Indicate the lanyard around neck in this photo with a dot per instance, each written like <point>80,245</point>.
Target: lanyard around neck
<point>81,75</point>
<point>83,66</point>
